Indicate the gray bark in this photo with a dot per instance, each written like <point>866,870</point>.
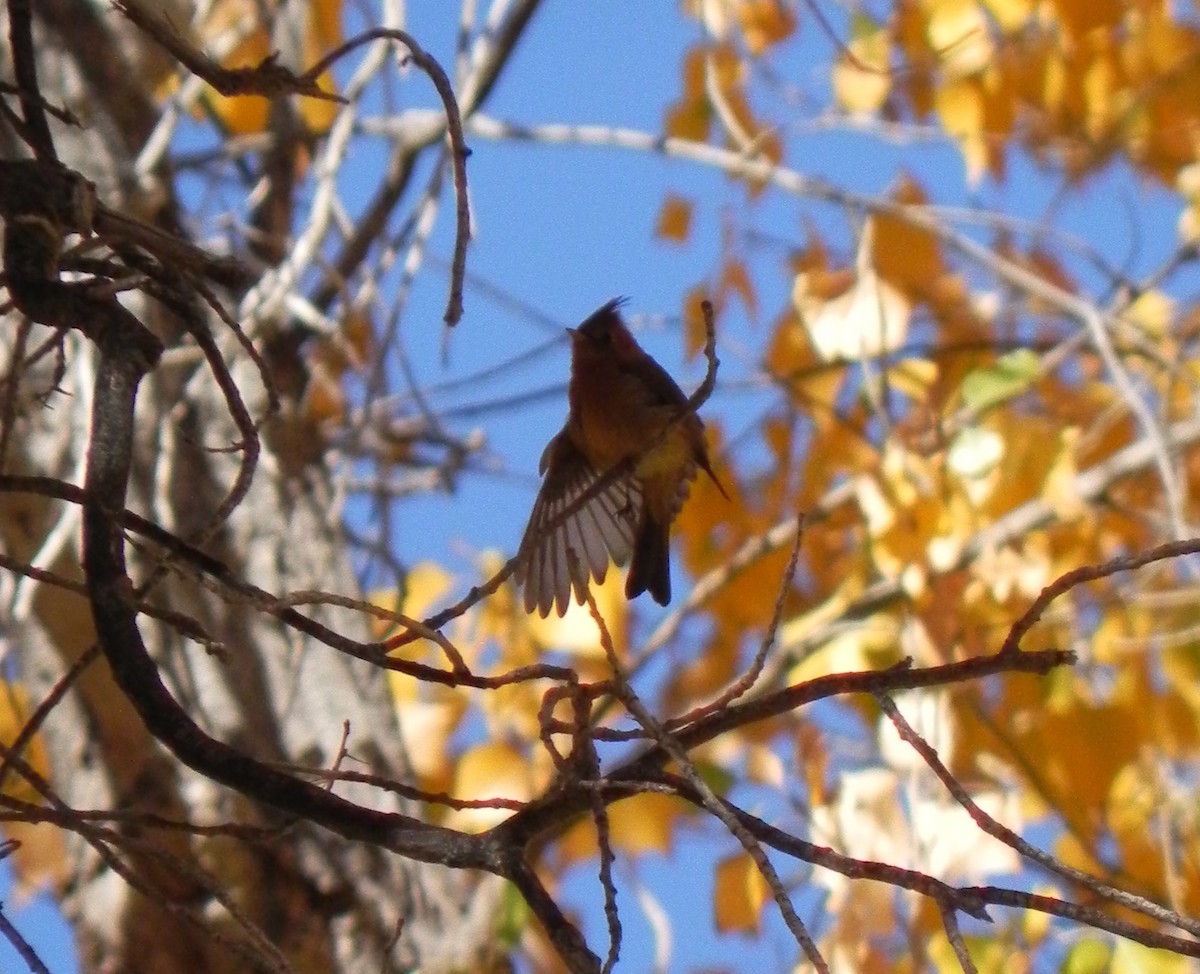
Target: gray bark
<point>301,898</point>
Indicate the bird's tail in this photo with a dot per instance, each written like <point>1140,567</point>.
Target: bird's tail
<point>650,569</point>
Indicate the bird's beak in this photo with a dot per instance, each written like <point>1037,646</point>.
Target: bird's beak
<point>573,332</point>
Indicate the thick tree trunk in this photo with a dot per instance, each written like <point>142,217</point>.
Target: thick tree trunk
<point>144,899</point>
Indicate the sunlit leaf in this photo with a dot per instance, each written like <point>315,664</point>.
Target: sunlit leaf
<point>576,632</point>
<point>958,32</point>
<point>739,892</point>
<point>641,825</point>
<point>645,823</point>
<point>975,452</point>
<point>488,771</point>
<point>41,859</point>
<point>735,279</point>
<point>873,643</point>
<point>1152,312</point>
<point>861,75</point>
<point>869,320</point>
<point>1129,957</point>
<point>962,108</point>
<point>1010,15</point>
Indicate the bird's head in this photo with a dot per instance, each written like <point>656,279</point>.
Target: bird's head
<point>603,333</point>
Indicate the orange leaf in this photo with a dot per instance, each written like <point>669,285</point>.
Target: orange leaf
<point>688,120</point>
<point>905,255</point>
<point>694,333</point>
<point>323,398</point>
<point>735,277</point>
<point>764,23</point>
<point>40,859</point>
<point>674,219</point>
<point>1081,17</point>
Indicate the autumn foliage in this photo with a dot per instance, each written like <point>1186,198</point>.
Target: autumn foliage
<point>930,685</point>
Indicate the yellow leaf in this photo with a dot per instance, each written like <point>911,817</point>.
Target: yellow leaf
<point>674,219</point>
<point>1010,15</point>
<point>868,644</point>
<point>1133,802</point>
<point>488,771</point>
<point>643,824</point>
<point>1088,956</point>
<point>797,630</point>
<point>41,860</point>
<point>247,114</point>
<point>1129,957</point>
<point>576,632</point>
<point>913,377</point>
<point>692,71</point>
<point>1060,489</point>
<point>739,892</point>
<point>1152,312</point>
<point>1100,93</point>
<point>640,825</point>
<point>764,766</point>
<point>425,583</point>
<point>426,722</point>
<point>14,712</point>
<point>1009,571</point>
<point>958,32</point>
<point>318,113</point>
<point>961,107</point>
<point>861,75</point>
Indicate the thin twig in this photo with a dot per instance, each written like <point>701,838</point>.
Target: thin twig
<point>1011,839</point>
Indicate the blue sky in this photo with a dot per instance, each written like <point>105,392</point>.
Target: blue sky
<point>566,228</point>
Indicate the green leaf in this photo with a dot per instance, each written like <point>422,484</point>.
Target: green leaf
<point>715,776</point>
<point>512,917</point>
<point>1009,377</point>
<point>1087,957</point>
<point>1132,958</point>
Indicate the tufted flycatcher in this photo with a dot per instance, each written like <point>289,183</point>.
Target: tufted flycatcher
<point>620,402</point>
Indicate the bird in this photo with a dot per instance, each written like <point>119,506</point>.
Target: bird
<point>624,411</point>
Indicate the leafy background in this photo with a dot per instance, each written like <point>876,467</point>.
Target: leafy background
<point>950,245</point>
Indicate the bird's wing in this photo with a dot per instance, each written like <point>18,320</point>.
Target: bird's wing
<point>602,528</point>
<point>655,382</point>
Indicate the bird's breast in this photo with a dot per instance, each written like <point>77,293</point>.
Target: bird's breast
<point>613,420</point>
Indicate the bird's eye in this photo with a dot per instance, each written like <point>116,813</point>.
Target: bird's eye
<point>604,338</point>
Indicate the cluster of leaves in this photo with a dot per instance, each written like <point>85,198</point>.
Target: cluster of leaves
<point>967,417</point>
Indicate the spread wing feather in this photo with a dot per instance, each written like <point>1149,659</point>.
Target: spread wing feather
<point>560,556</point>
